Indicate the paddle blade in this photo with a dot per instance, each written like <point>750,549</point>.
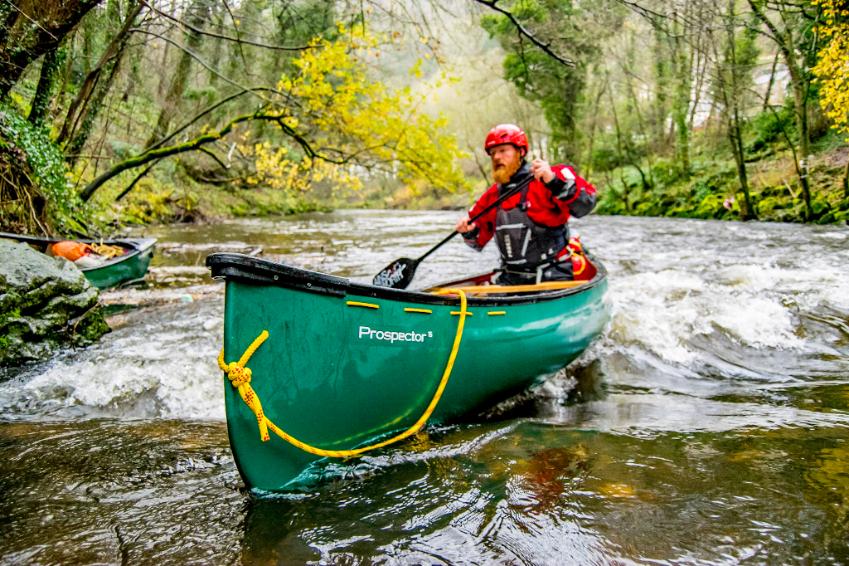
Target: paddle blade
<point>397,274</point>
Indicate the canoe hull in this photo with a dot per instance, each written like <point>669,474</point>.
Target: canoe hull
<point>340,370</point>
<point>131,266</point>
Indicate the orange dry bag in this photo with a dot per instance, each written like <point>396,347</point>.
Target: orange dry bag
<point>70,250</point>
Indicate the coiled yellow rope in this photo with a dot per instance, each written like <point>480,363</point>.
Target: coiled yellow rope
<point>240,378</point>
<point>107,250</point>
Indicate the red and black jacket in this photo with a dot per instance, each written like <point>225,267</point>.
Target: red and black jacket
<point>547,205</point>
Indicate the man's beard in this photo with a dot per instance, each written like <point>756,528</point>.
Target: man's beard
<point>502,173</point>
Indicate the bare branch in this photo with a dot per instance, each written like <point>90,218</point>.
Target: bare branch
<point>14,6</point>
<point>544,47</point>
<point>214,157</point>
<point>206,65</point>
<point>224,37</point>
<point>135,181</point>
<point>206,111</point>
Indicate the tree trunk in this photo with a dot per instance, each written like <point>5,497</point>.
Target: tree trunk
<point>591,141</point>
<point>735,136</point>
<point>66,71</point>
<point>732,67</point>
<point>661,77</point>
<point>196,18</point>
<point>89,101</point>
<point>622,158</point>
<point>681,105</point>
<point>800,85</point>
<point>31,28</point>
<point>801,107</point>
<point>218,27</point>
<point>567,134</point>
<point>41,100</point>
<point>771,82</point>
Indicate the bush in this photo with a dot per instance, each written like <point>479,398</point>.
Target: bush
<point>711,206</point>
<point>665,172</point>
<point>767,127</point>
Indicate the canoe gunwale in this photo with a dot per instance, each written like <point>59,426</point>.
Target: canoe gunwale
<point>243,268</point>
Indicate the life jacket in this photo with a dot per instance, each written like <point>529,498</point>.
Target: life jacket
<point>524,244</point>
<point>576,255</point>
<point>70,250</point>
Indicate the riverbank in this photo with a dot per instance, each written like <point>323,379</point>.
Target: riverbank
<point>712,189</point>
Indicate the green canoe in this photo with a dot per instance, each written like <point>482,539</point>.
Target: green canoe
<point>348,365</point>
<point>130,266</point>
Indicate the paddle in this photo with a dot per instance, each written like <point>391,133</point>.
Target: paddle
<point>400,272</point>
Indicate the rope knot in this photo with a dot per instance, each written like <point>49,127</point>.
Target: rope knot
<point>238,375</point>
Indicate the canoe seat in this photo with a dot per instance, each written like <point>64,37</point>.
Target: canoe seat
<point>508,289</point>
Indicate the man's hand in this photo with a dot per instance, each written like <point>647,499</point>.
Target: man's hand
<point>464,226</point>
<point>542,170</point>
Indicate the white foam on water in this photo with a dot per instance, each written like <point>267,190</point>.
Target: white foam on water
<point>159,364</point>
<point>758,307</point>
<point>757,321</point>
<point>657,311</point>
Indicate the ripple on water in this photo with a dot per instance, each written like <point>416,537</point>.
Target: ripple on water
<point>105,491</point>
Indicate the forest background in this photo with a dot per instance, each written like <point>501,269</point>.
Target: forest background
<point>127,111</point>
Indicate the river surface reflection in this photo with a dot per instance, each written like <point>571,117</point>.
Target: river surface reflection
<point>710,423</point>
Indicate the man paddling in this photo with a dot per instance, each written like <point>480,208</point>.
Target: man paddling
<point>530,227</point>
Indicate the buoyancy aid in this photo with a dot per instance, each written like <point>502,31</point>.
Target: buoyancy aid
<point>524,244</point>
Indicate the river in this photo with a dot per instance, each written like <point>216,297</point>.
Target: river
<point>708,425</point>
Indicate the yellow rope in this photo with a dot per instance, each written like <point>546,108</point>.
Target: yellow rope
<point>107,250</point>
<point>240,378</point>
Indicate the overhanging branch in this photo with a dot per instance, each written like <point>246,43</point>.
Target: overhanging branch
<point>197,143</point>
<point>544,47</point>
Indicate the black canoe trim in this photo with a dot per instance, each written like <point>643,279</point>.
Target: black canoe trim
<point>247,269</point>
<point>134,246</point>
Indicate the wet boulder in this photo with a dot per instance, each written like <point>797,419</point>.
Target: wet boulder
<point>45,303</point>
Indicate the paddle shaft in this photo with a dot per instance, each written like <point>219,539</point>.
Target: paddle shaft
<point>521,185</point>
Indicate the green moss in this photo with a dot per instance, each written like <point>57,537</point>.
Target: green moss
<point>91,327</point>
<point>44,168</point>
<point>714,180</point>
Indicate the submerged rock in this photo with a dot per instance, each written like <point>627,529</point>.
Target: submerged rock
<point>45,303</point>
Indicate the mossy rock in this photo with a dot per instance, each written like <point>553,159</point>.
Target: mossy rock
<point>45,304</point>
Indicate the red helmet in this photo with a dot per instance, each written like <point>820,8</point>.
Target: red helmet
<point>506,133</point>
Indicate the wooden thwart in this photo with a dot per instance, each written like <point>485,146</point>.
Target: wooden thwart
<point>508,289</point>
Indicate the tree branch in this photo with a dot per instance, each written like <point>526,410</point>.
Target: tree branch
<point>206,111</point>
<point>214,157</point>
<point>198,142</point>
<point>544,47</point>
<point>224,37</point>
<point>203,63</point>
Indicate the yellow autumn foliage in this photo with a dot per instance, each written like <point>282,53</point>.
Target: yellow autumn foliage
<point>832,68</point>
<point>354,123</point>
